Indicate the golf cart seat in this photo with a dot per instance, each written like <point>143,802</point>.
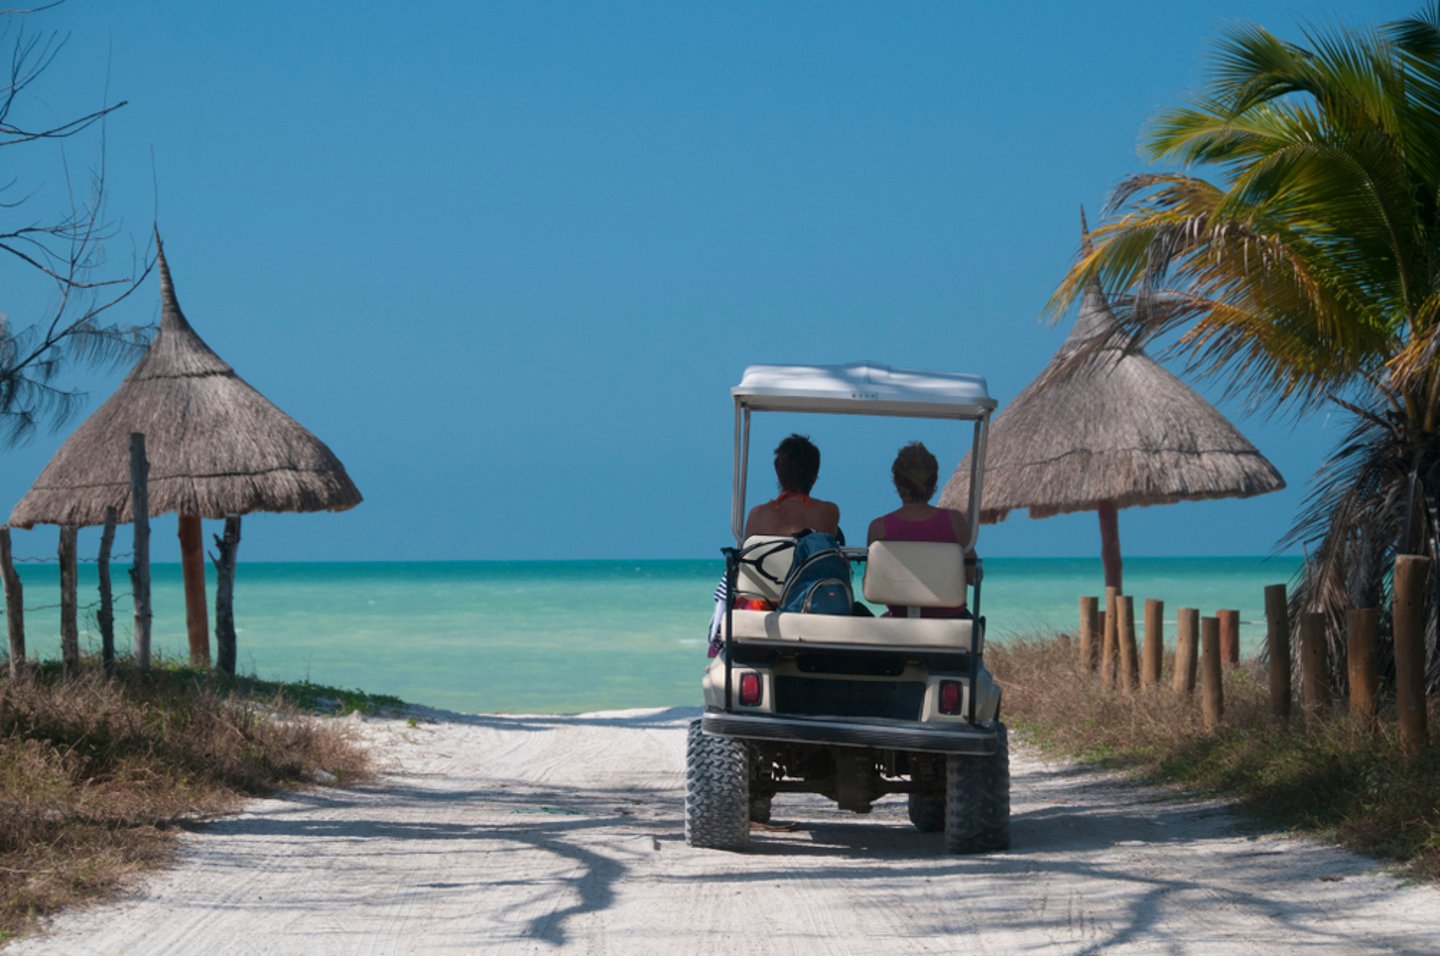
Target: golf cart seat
<point>762,573</point>
<point>915,575</point>
<point>911,574</point>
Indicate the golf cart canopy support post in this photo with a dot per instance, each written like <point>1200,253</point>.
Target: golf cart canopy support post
<point>860,388</point>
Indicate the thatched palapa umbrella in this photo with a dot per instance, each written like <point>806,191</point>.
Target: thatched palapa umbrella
<point>1116,432</point>
<point>217,448</point>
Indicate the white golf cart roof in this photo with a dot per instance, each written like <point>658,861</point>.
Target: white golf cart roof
<point>862,388</point>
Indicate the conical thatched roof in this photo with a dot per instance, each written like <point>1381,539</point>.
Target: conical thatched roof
<point>216,445</point>
<point>1121,430</point>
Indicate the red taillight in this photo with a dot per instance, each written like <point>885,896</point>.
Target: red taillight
<point>950,697</point>
<point>750,689</point>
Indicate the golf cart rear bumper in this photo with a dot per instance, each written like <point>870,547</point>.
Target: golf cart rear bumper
<point>962,739</point>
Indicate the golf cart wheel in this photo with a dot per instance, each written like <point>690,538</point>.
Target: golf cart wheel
<point>927,812</point>
<point>977,800</point>
<point>760,809</point>
<point>717,791</point>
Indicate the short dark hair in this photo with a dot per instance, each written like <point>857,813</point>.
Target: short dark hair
<point>797,464</point>
<point>915,471</point>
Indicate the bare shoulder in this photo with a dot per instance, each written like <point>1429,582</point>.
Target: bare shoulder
<point>959,524</point>
<point>876,532</point>
<point>755,521</point>
<point>830,512</point>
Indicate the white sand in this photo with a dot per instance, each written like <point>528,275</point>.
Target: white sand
<point>537,834</point>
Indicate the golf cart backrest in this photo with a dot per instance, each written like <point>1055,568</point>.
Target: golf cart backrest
<point>763,568</point>
<point>915,574</point>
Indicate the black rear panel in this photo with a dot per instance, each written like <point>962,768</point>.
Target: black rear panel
<point>819,697</point>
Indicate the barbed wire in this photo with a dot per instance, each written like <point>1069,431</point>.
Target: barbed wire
<point>56,560</point>
<point>78,607</point>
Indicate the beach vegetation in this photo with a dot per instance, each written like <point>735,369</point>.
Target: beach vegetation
<point>1331,777</point>
<point>98,775</point>
<point>1295,255</point>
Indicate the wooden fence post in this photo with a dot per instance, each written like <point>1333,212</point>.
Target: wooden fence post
<point>14,605</point>
<point>1154,643</point>
<point>224,559</point>
<point>1109,647</point>
<point>1212,694</point>
<point>1277,638</point>
<point>69,622</point>
<point>1313,663</point>
<point>1412,576</point>
<point>105,617</point>
<point>140,571</point>
<point>1129,652</point>
<point>1187,634</point>
<point>1089,615</point>
<point>1362,653</point>
<point>1229,636</point>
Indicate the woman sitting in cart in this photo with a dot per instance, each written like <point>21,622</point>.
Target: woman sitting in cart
<point>797,465</point>
<point>915,472</point>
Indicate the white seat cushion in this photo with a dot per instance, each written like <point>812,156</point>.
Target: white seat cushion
<point>915,574</point>
<point>775,561</point>
<point>761,627</point>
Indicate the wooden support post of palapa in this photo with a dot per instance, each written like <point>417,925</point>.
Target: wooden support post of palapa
<point>1314,664</point>
<point>1154,651</point>
<point>105,617</point>
<point>224,559</point>
<point>1412,575</point>
<point>140,571</point>
<point>1212,694</point>
<point>192,572</point>
<point>69,612</point>
<point>1277,638</point>
<point>14,605</point>
<point>1362,656</point>
<point>1187,646</point>
<point>1129,652</point>
<point>1109,645</point>
<point>1229,636</point>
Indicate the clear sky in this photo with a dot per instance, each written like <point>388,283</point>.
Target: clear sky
<point>507,259</point>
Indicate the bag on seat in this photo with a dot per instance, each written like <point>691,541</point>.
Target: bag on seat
<point>819,578</point>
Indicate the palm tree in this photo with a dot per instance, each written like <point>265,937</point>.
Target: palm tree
<point>1306,271</point>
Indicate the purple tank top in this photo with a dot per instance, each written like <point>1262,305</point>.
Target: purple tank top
<point>937,527</point>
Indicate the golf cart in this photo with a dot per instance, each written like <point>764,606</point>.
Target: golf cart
<point>852,707</point>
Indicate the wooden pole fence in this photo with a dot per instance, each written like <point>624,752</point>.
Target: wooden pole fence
<point>69,609</point>
<point>1277,639</point>
<point>140,571</point>
<point>1129,656</point>
<point>1362,656</point>
<point>1089,619</point>
<point>105,617</point>
<point>1314,676</point>
<point>1212,693</point>
<point>1412,575</point>
<point>1154,651</point>
<point>14,605</point>
<point>1187,646</point>
<point>1229,636</point>
<point>1109,648</point>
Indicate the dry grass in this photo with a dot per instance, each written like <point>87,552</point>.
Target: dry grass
<point>1330,776</point>
<point>97,775</point>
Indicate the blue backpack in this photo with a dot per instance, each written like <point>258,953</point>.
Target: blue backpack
<point>819,577</point>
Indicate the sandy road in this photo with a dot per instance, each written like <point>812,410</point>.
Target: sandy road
<point>535,834</point>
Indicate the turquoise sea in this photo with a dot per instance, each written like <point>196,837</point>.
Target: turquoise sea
<point>568,636</point>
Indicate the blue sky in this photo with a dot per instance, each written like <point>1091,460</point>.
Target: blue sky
<point>507,259</point>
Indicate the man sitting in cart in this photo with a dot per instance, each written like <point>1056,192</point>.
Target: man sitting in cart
<point>797,465</point>
<point>915,472</point>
